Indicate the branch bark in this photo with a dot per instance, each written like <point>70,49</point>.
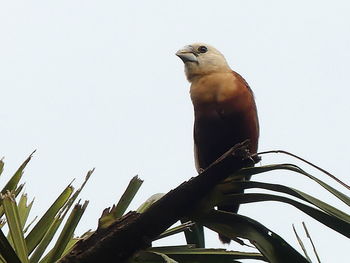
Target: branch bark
<point>134,231</point>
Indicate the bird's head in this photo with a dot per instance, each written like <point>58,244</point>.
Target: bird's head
<point>201,59</point>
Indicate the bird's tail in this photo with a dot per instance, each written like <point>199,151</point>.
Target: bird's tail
<point>232,209</point>
<point>224,240</point>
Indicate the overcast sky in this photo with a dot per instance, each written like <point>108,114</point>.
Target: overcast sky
<point>96,84</point>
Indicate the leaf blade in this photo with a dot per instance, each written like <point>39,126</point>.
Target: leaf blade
<point>332,222</point>
<point>15,227</point>
<point>272,246</point>
<point>40,228</point>
<point>13,182</point>
<point>67,232</point>
<point>7,251</point>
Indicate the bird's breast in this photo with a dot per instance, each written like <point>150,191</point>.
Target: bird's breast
<point>216,88</point>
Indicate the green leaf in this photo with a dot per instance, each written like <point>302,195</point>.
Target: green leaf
<point>127,197</point>
<point>149,202</point>
<point>12,183</point>
<point>77,192</point>
<point>151,257</point>
<point>291,167</point>
<point>67,232</point>
<point>296,193</point>
<point>332,222</point>
<point>176,230</point>
<point>39,230</point>
<point>70,245</point>
<point>195,235</point>
<point>24,209</point>
<point>6,250</point>
<point>46,240</point>
<point>1,165</point>
<point>309,163</point>
<point>110,215</point>
<point>189,254</point>
<point>19,189</point>
<point>25,230</point>
<point>272,246</point>
<point>16,193</point>
<point>15,226</point>
<point>57,221</point>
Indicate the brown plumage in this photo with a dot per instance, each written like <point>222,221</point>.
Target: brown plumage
<point>224,107</point>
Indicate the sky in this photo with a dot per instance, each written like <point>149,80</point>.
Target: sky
<point>97,84</point>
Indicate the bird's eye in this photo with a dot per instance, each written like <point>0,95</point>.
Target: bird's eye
<point>202,49</point>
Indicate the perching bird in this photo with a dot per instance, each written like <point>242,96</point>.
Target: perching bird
<point>224,107</point>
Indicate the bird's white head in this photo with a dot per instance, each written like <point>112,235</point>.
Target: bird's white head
<point>201,59</point>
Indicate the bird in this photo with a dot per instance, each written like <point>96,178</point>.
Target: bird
<point>225,111</point>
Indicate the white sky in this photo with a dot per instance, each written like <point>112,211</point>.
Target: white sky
<point>97,84</point>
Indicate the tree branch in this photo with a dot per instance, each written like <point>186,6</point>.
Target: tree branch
<point>134,231</point>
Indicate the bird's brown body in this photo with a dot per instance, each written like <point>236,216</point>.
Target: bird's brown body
<point>224,107</point>
<point>225,114</point>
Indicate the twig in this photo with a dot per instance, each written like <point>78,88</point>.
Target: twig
<point>301,244</point>
<point>312,243</point>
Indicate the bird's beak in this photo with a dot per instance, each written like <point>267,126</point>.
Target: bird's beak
<point>187,54</point>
